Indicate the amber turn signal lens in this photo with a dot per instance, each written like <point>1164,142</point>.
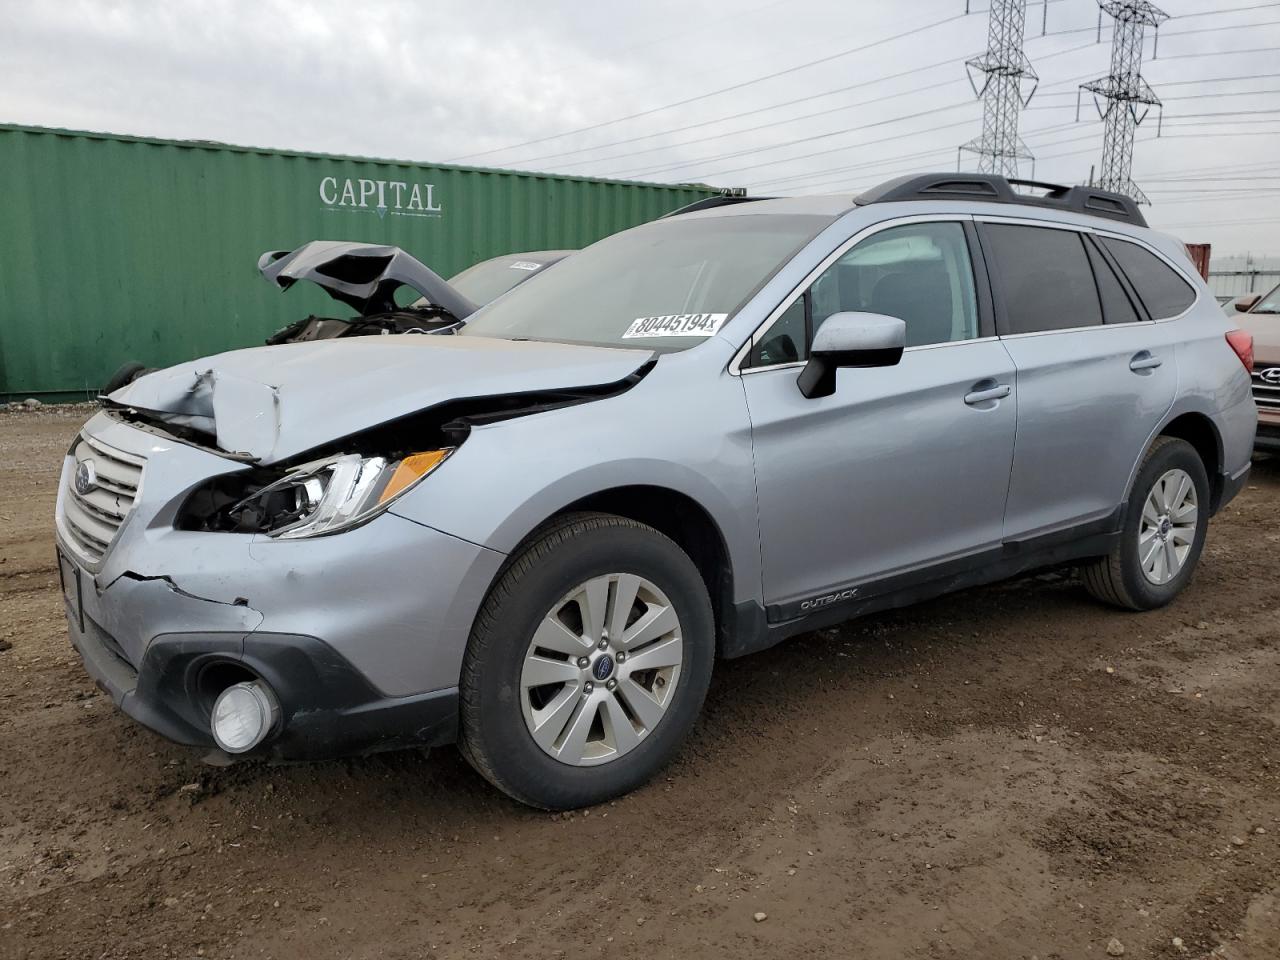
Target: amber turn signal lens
<point>410,470</point>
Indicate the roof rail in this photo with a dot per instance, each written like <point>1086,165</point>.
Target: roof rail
<point>727,197</point>
<point>987,188</point>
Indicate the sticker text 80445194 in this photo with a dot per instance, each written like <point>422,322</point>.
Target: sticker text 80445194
<point>676,325</point>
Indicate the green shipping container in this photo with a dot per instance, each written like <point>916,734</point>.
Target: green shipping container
<point>120,248</point>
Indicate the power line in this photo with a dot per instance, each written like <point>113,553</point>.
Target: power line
<point>735,154</point>
<point>1175,122</point>
<point>922,155</point>
<point>1181,17</point>
<point>798,100</point>
<point>1244,179</point>
<point>1230,26</point>
<point>809,139</point>
<point>949,62</point>
<point>889,160</point>
<point>1176,83</point>
<point>863,168</point>
<point>1191,96</point>
<point>1218,202</point>
<point>1216,223</point>
<point>704,96</point>
<point>793,102</point>
<point>833,150</point>
<point>661,169</point>
<point>762,126</point>
<point>1213,13</point>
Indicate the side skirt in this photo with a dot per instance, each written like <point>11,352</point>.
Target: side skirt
<point>760,628</point>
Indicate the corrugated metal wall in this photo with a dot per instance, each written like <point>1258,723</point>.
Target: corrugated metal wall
<point>1239,283</point>
<point>117,248</point>
<point>1238,275</point>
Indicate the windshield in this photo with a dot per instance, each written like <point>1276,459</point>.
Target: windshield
<point>1269,304</point>
<point>667,285</point>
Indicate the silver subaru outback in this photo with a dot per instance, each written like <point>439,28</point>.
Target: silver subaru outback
<point>535,536</point>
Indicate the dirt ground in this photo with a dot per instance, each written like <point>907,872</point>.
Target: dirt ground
<point>1011,772</point>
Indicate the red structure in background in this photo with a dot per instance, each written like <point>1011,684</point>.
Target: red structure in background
<point>1200,257</point>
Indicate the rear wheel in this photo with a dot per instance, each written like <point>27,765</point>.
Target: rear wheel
<point>1164,531</point>
<point>588,663</point>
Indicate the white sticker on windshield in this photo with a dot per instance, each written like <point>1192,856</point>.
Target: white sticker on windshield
<point>523,265</point>
<point>676,325</point>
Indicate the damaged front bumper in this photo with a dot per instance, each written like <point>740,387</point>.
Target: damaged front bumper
<point>360,634</point>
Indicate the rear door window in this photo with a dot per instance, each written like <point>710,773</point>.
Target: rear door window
<point>1045,278</point>
<point>1164,292</point>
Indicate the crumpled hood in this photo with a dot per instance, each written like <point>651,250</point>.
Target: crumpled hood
<point>273,403</point>
<point>364,276</point>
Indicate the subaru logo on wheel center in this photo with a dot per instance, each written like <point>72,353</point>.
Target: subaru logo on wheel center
<point>86,477</point>
<point>603,667</point>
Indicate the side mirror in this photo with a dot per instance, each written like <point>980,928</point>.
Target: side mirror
<point>850,340</point>
<point>1247,302</point>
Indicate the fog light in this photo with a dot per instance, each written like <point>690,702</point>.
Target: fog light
<point>243,715</point>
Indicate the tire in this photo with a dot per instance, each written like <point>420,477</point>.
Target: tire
<point>124,376</point>
<point>501,705</point>
<point>1119,578</point>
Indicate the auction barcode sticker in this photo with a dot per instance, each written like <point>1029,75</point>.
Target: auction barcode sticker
<point>676,325</point>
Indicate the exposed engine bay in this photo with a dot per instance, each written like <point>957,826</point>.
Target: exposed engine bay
<point>389,290</point>
<point>407,320</point>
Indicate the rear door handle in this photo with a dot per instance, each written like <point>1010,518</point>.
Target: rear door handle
<point>1144,360</point>
<point>997,392</point>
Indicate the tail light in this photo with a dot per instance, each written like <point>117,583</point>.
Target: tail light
<point>1242,343</point>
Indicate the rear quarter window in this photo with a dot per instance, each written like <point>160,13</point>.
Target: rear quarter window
<point>1159,286</point>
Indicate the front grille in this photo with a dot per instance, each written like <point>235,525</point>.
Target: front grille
<point>93,517</point>
<point>1266,391</point>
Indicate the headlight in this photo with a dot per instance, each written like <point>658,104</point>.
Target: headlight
<point>334,494</point>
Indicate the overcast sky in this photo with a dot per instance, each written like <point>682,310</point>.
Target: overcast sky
<point>458,81</point>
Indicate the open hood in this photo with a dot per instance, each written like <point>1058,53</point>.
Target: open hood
<point>268,404</point>
<point>363,276</point>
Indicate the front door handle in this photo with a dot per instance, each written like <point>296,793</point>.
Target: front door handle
<point>1144,360</point>
<point>997,392</point>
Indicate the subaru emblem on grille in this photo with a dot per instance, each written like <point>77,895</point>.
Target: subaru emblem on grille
<point>86,477</point>
<point>1271,375</point>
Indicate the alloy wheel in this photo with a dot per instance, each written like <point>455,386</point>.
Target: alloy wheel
<point>601,669</point>
<point>1167,530</point>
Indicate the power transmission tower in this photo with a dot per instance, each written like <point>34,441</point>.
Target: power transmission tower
<point>1005,68</point>
<point>1129,98</point>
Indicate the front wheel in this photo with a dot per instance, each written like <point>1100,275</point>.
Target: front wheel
<point>588,663</point>
<point>1164,530</point>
